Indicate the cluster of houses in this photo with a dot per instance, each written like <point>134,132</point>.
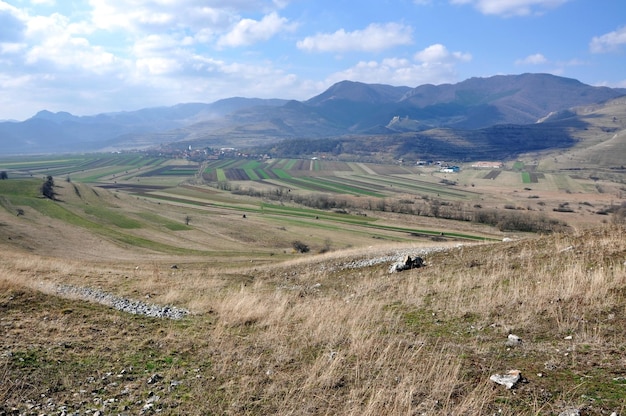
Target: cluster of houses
<point>447,168</point>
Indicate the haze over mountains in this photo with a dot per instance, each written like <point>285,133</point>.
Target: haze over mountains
<point>475,110</point>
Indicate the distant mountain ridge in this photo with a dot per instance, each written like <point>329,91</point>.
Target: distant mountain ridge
<point>346,108</point>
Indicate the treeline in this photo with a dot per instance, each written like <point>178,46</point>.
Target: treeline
<point>303,147</point>
<point>504,220</point>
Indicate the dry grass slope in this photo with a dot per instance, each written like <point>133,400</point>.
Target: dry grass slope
<point>311,337</point>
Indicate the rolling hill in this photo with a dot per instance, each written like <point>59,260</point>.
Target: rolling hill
<point>271,331</point>
<point>477,114</point>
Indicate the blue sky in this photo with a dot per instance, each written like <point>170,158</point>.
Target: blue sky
<point>93,56</point>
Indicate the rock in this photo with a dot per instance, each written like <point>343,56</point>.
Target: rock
<point>509,379</point>
<point>407,263</point>
<point>154,378</point>
<point>513,341</point>
<point>570,412</point>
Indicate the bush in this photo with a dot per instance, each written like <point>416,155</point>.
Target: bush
<point>300,247</point>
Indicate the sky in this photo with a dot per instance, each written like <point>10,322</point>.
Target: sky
<point>93,56</point>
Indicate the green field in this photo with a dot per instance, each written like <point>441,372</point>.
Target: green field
<point>320,184</point>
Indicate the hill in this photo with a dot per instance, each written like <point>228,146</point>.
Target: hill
<point>345,109</point>
<point>590,137</point>
<point>600,139</point>
<point>272,331</point>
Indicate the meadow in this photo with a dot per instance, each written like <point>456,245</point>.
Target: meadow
<point>273,330</point>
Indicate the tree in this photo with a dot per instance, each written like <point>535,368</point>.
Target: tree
<point>4,175</point>
<point>47,189</point>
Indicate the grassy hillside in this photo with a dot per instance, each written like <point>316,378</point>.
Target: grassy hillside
<point>323,333</point>
<point>330,331</point>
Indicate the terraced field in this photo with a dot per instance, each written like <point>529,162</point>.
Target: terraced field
<point>368,184</point>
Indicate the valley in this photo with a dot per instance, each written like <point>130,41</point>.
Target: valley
<point>284,267</point>
<point>276,264</point>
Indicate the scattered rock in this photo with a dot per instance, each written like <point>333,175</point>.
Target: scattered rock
<point>392,256</point>
<point>509,379</point>
<point>513,341</point>
<point>174,266</point>
<point>122,304</point>
<point>154,378</point>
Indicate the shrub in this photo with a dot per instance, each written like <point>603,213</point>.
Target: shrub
<point>300,247</point>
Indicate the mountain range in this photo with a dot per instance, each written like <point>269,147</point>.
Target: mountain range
<point>497,116</point>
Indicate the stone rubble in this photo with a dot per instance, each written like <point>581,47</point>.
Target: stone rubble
<point>393,257</point>
<point>135,307</point>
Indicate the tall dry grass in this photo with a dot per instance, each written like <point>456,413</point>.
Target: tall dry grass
<point>309,337</point>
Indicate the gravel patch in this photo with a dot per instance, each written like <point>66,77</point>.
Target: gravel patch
<point>136,307</point>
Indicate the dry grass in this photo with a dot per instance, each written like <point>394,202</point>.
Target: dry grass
<point>308,337</point>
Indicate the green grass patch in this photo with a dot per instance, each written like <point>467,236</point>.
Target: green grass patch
<point>518,165</point>
<point>252,175</point>
<point>164,222</point>
<point>418,186</point>
<point>290,164</point>
<point>21,187</point>
<point>339,188</point>
<point>109,216</point>
<point>221,175</point>
<point>57,211</point>
<point>262,174</point>
<point>526,177</point>
<point>281,174</point>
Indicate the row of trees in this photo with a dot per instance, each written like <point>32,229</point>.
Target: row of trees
<point>505,220</point>
<point>47,189</point>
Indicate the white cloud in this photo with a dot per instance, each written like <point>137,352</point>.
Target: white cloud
<point>535,59</point>
<point>608,42</point>
<point>438,54</point>
<point>150,15</point>
<point>373,38</point>
<point>434,65</point>
<point>249,31</point>
<point>55,41</point>
<point>512,7</point>
<point>157,66</point>
<point>12,24</point>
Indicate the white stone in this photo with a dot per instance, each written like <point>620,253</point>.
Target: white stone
<point>509,379</point>
<point>513,340</point>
